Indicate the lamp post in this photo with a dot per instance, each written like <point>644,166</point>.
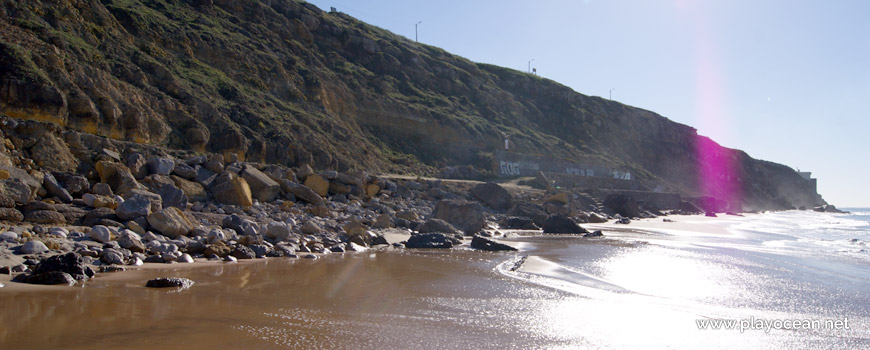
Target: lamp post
<point>415,30</point>
<point>611,93</point>
<point>530,65</point>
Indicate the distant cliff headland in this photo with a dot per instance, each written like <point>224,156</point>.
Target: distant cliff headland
<point>284,82</point>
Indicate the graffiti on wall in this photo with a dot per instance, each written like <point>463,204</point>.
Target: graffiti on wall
<point>509,168</point>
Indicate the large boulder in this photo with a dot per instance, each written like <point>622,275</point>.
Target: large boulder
<point>436,225</point>
<point>278,231</point>
<point>118,177</point>
<point>493,195</point>
<point>263,188</point>
<point>171,222</point>
<point>466,216</point>
<point>194,191</point>
<point>33,247</point>
<point>16,189</point>
<point>302,192</point>
<point>229,188</point>
<point>160,165</point>
<point>100,233</point>
<point>172,196</point>
<point>134,207</point>
<point>518,223</point>
<point>622,205</point>
<point>429,240</point>
<point>317,184</point>
<point>55,189</point>
<point>482,243</point>
<point>11,215</point>
<point>530,210</point>
<point>562,224</point>
<point>49,278</point>
<point>70,263</point>
<point>49,217</point>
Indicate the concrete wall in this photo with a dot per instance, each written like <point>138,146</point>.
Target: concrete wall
<point>520,164</point>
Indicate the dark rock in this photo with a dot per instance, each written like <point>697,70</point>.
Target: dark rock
<point>622,205</point>
<point>98,215</point>
<point>493,195</point>
<point>70,263</point>
<point>74,183</point>
<point>689,208</point>
<point>594,234</point>
<point>429,240</point>
<point>301,192</point>
<point>260,250</point>
<point>55,189</point>
<point>6,201</point>
<point>466,216</point>
<point>436,225</point>
<point>50,217</point>
<point>623,221</point>
<point>481,243</point>
<point>172,196</point>
<point>49,278</point>
<point>518,223</point>
<point>530,210</point>
<point>160,165</point>
<point>16,189</point>
<point>240,225</point>
<point>134,207</point>
<point>241,252</point>
<point>710,214</point>
<point>562,224</point>
<point>11,215</point>
<point>184,171</point>
<point>169,282</point>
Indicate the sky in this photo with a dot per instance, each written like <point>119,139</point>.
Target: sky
<point>785,81</point>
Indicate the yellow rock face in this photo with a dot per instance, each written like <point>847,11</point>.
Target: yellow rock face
<point>4,174</point>
<point>318,184</point>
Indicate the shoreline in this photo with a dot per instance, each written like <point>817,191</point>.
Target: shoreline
<point>615,234</point>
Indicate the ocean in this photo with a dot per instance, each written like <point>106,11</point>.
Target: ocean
<point>773,280</point>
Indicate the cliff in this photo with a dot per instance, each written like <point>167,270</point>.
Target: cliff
<point>282,81</point>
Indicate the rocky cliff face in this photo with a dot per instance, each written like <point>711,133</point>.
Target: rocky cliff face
<point>282,81</point>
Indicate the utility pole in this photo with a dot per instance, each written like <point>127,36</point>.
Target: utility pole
<point>530,65</point>
<point>415,30</point>
<point>611,93</point>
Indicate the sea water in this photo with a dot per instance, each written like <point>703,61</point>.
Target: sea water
<point>774,280</point>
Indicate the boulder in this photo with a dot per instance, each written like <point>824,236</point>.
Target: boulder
<point>594,218</point>
<point>33,247</point>
<point>55,189</point>
<point>97,216</point>
<point>118,177</point>
<point>530,210</point>
<point>317,184</point>
<point>194,191</point>
<point>278,231</point>
<point>436,225</point>
<point>137,164</point>
<point>100,234</point>
<point>383,221</point>
<point>263,188</point>
<point>301,192</point>
<point>132,241</point>
<point>518,223</point>
<point>70,263</point>
<point>622,205</point>
<point>11,215</point>
<point>243,253</point>
<point>134,207</point>
<point>74,183</point>
<point>304,171</point>
<point>466,216</point>
<point>6,201</point>
<point>689,208</point>
<point>310,228</point>
<point>482,243</point>
<point>372,190</point>
<point>169,282</point>
<point>240,225</point>
<point>184,171</point>
<point>172,196</point>
<point>49,217</point>
<point>429,240</point>
<point>171,222</point>
<point>160,165</point>
<point>111,256</point>
<point>229,188</point>
<point>493,195</point>
<point>48,278</point>
<point>562,224</point>
<point>17,190</point>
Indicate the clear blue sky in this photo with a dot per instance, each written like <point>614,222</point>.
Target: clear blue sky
<point>786,81</point>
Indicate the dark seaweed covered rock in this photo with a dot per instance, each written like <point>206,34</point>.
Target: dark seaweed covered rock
<point>170,282</point>
<point>429,240</point>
